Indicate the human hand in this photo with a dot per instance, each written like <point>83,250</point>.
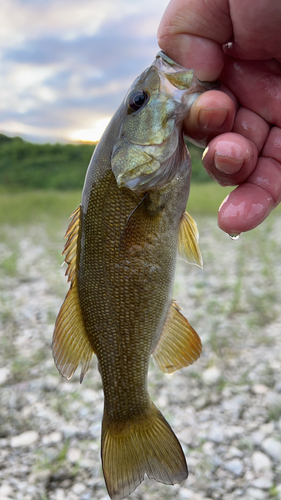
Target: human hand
<point>238,43</point>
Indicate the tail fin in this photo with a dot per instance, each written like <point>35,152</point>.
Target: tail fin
<point>144,445</point>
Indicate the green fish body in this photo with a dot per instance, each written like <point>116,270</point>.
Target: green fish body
<point>121,251</point>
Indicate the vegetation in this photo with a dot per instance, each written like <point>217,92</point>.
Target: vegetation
<point>38,206</point>
<point>24,165</point>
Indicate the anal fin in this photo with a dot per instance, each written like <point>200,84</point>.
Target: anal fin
<point>188,246</point>
<point>179,344</point>
<point>70,342</point>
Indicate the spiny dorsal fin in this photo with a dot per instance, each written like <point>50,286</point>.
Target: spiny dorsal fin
<point>179,344</point>
<point>188,247</point>
<point>70,342</point>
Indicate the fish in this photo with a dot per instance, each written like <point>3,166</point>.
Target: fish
<point>121,250</point>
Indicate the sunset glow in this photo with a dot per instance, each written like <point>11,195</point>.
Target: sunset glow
<point>91,134</point>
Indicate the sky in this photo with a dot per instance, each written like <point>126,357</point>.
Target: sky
<point>66,64</point>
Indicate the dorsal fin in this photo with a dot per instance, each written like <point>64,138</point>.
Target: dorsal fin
<point>70,342</point>
<point>188,247</point>
<point>179,344</point>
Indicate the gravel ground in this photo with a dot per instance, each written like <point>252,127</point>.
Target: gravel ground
<point>225,409</point>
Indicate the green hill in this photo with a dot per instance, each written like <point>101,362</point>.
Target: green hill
<point>24,165</point>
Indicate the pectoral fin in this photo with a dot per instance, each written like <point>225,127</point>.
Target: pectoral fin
<point>188,247</point>
<point>70,342</point>
<point>179,344</point>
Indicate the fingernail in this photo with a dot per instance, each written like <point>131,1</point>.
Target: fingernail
<point>212,118</point>
<point>227,165</point>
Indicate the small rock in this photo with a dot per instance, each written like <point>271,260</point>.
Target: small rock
<point>89,396</point>
<point>186,435</point>
<point>272,447</point>
<point>73,455</point>
<point>4,375</point>
<point>267,428</point>
<point>234,405</point>
<point>278,490</point>
<point>41,476</point>
<point>235,466</point>
<point>50,383</point>
<point>278,386</point>
<point>233,431</point>
<point>260,389</point>
<point>87,463</point>
<point>201,402</point>
<point>25,439</point>
<point>6,491</point>
<point>185,494</point>
<point>255,494</point>
<point>70,431</point>
<point>216,434</point>
<point>78,488</point>
<point>54,437</point>
<point>234,452</point>
<point>262,482</point>
<point>261,462</point>
<point>60,494</point>
<point>211,375</point>
<point>257,437</point>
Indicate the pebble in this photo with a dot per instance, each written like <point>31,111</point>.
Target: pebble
<point>224,408</point>
<point>70,431</point>
<point>278,491</point>
<point>216,434</point>
<point>4,375</point>
<point>78,488</point>
<point>235,466</point>
<point>260,389</point>
<point>27,438</point>
<point>261,462</point>
<point>6,491</point>
<point>255,494</point>
<point>73,455</point>
<point>52,438</point>
<point>212,375</point>
<point>257,437</point>
<point>272,447</point>
<point>60,494</point>
<point>186,494</point>
<point>40,476</point>
<point>262,482</point>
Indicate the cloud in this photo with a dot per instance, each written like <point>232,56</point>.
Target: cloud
<point>66,64</point>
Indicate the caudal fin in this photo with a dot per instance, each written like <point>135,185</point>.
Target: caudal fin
<point>143,445</point>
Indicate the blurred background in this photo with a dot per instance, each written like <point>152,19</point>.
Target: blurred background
<point>65,67</point>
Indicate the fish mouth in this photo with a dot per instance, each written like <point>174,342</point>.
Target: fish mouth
<point>177,75</point>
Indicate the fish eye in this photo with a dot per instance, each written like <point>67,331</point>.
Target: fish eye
<point>137,100</point>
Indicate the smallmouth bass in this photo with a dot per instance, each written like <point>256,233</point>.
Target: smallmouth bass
<point>121,253</point>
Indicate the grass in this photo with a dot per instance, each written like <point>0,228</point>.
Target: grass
<point>20,208</point>
<point>205,199</point>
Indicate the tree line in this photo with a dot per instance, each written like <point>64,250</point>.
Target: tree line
<point>25,165</point>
